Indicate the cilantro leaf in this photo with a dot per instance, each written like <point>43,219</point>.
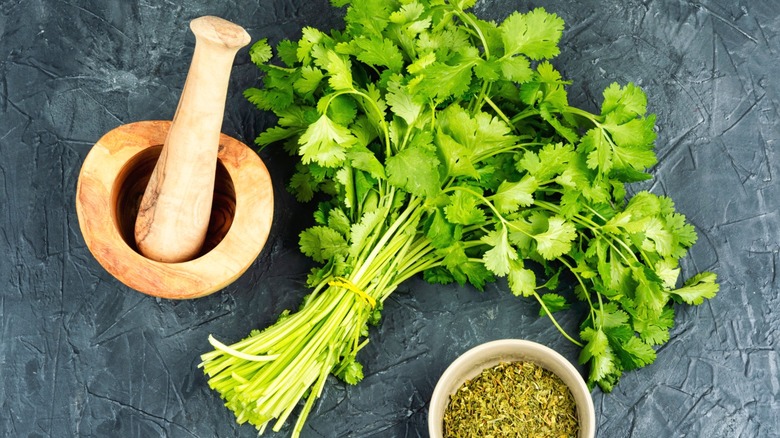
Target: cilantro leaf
<point>416,170</point>
<point>309,81</point>
<point>260,52</point>
<point>456,157</point>
<point>524,229</point>
<point>650,297</point>
<point>287,51</point>
<point>401,102</point>
<point>554,303</point>
<point>464,209</point>
<point>516,69</point>
<point>351,373</point>
<point>668,271</point>
<point>684,233</point>
<point>360,231</point>
<point>551,160</point>
<point>698,288</point>
<point>342,109</point>
<point>522,281</point>
<point>477,274</point>
<point>438,46</point>
<point>534,34</point>
<point>626,102</point>
<point>303,186</point>
<point>421,62</point>
<point>440,80</point>
<point>512,195</point>
<point>609,316</point>
<point>309,45</point>
<point>546,88</point>
<point>275,134</point>
<point>453,257</point>
<point>322,243</point>
<point>557,240</point>
<point>379,52</point>
<point>438,275</point>
<point>338,221</point>
<point>462,269</point>
<point>362,158</point>
<point>655,331</point>
<point>482,133</point>
<point>273,99</point>
<point>633,353</point>
<point>488,70</point>
<point>440,231</point>
<point>325,143</point>
<point>499,258</point>
<point>597,351</point>
<point>407,13</point>
<point>368,17</point>
<point>340,71</point>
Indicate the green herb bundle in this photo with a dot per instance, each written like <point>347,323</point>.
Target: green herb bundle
<point>442,144</point>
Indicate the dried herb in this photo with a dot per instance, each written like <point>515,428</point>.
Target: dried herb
<point>515,399</point>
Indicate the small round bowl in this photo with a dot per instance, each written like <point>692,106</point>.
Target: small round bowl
<point>479,358</point>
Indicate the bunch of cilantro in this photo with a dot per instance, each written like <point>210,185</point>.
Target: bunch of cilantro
<point>442,144</point>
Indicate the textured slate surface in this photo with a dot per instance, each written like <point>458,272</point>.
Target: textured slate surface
<point>82,355</point>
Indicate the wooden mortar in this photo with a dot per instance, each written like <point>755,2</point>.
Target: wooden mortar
<point>177,209</point>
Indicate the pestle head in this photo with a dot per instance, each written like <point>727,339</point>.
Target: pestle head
<point>220,31</point>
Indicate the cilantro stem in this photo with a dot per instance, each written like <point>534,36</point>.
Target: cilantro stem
<point>528,112</point>
<point>370,244</point>
<point>512,148</point>
<point>555,322</point>
<point>582,113</point>
<point>594,228</point>
<point>500,113</point>
<point>390,256</point>
<point>411,207</point>
<point>595,213</point>
<point>582,285</point>
<point>483,94</point>
<point>419,267</point>
<point>418,251</point>
<point>468,20</point>
<point>407,135</point>
<point>423,262</point>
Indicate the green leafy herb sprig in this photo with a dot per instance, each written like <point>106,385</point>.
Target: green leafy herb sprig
<point>442,144</point>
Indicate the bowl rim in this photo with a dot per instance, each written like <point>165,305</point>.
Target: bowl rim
<point>471,363</point>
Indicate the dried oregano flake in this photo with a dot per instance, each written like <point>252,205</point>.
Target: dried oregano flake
<point>515,399</point>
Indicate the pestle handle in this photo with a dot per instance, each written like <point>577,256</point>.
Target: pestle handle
<point>174,213</point>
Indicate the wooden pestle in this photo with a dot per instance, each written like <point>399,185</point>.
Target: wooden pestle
<point>173,216</point>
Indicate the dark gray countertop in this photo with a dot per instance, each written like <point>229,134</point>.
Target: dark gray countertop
<point>83,355</point>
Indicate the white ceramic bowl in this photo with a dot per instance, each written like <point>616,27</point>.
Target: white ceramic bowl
<point>474,361</point>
